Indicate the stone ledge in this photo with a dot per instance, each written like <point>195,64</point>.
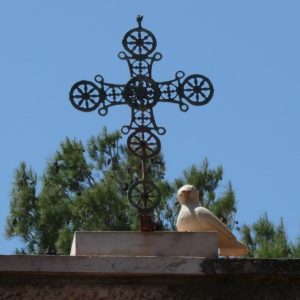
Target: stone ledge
<point>150,266</point>
<point>101,265</point>
<point>172,278</point>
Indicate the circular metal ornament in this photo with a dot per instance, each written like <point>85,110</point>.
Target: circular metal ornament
<point>144,195</point>
<point>85,96</point>
<point>139,42</point>
<point>143,143</point>
<point>141,92</point>
<point>197,89</point>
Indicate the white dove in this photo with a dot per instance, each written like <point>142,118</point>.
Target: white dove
<point>195,218</point>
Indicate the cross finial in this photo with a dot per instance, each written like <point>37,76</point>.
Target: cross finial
<point>141,93</point>
<point>139,19</point>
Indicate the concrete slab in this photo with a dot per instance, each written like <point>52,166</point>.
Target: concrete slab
<point>101,265</point>
<point>188,244</point>
<point>29,277</point>
<point>148,265</point>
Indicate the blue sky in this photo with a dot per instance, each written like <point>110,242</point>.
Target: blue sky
<point>249,49</point>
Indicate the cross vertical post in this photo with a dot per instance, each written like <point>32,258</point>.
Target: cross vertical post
<point>141,93</point>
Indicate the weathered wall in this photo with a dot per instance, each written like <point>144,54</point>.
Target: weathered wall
<point>32,278</point>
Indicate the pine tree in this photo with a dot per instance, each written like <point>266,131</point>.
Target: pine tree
<point>82,188</point>
<point>296,249</point>
<point>23,207</point>
<point>85,188</point>
<point>266,240</point>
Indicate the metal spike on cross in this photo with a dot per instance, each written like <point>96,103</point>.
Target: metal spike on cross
<point>141,93</point>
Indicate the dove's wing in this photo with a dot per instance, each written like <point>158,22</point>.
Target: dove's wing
<point>228,244</point>
<point>205,215</point>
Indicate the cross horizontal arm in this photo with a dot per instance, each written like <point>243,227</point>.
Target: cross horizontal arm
<point>196,89</point>
<point>87,96</point>
<point>113,95</point>
<point>170,91</point>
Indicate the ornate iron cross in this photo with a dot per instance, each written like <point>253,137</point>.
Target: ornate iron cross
<point>141,93</point>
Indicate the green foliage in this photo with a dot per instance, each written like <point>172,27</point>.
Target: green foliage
<point>296,249</point>
<point>23,207</point>
<point>166,212</point>
<point>85,188</point>
<point>266,240</point>
<point>80,189</point>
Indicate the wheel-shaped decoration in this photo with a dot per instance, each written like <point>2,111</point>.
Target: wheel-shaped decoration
<point>85,96</point>
<point>144,195</point>
<point>139,42</point>
<point>143,143</point>
<point>197,89</point>
<point>141,92</point>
